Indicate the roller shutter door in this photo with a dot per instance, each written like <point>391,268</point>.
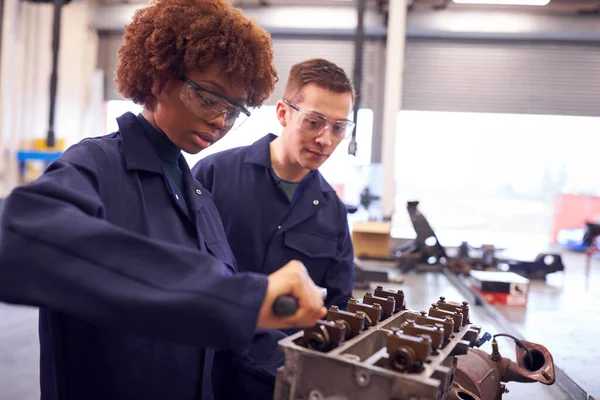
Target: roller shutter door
<point>502,77</point>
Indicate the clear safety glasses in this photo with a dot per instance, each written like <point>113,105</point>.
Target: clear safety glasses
<point>209,105</point>
<point>314,124</point>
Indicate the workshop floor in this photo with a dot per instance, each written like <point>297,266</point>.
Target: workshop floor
<point>561,315</point>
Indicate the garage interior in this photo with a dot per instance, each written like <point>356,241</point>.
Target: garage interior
<point>486,115</point>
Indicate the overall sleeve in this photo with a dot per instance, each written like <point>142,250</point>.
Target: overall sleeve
<point>57,251</point>
<point>339,277</point>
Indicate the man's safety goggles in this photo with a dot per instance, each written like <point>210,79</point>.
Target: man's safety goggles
<point>209,105</point>
<point>312,123</point>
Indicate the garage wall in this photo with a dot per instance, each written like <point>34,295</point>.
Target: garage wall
<point>500,76</point>
<point>26,68</point>
<point>288,51</point>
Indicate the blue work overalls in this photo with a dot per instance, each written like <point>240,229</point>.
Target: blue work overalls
<point>134,279</point>
<point>266,230</point>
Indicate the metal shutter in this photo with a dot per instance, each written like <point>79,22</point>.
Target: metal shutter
<point>502,77</point>
<point>291,51</point>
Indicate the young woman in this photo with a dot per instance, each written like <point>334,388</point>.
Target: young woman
<point>122,249</point>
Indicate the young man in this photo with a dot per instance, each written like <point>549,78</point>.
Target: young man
<point>274,203</point>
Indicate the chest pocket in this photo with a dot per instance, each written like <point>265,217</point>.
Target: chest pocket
<point>210,231</point>
<point>310,245</point>
<point>222,251</point>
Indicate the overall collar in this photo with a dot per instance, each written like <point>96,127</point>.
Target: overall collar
<point>259,153</point>
<point>137,147</point>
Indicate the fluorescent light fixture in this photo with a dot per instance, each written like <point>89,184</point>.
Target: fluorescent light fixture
<point>505,2</point>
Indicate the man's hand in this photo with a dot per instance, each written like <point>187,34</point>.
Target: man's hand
<point>292,280</point>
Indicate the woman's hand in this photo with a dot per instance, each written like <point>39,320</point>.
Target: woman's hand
<point>292,280</point>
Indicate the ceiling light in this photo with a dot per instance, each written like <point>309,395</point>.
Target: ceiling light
<point>506,2</point>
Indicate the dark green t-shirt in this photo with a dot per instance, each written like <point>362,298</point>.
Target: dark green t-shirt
<point>289,188</point>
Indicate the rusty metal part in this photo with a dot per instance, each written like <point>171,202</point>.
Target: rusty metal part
<point>387,304</point>
<point>434,311</point>
<point>477,374</point>
<point>373,312</point>
<point>460,393</point>
<point>481,374</point>
<point>452,306</point>
<point>446,322</point>
<point>398,295</point>
<point>324,336</point>
<point>436,333</point>
<point>459,266</point>
<point>407,353</point>
<point>354,321</point>
<point>541,369</point>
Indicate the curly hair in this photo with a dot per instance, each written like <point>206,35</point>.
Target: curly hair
<point>169,37</point>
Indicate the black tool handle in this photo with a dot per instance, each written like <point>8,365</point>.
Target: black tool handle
<point>288,305</point>
<point>285,305</point>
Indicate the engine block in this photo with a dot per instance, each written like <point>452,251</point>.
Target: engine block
<point>377,349</point>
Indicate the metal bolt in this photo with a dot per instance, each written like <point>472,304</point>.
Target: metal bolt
<point>434,306</point>
<point>360,314</point>
<point>545,375</point>
<point>400,292</point>
<point>465,304</point>
<point>368,294</point>
<point>377,306</point>
<point>410,322</point>
<point>352,301</point>
<point>362,378</point>
<point>390,298</point>
<point>379,288</point>
<point>334,308</point>
<point>423,313</point>
<point>442,299</point>
<point>315,395</point>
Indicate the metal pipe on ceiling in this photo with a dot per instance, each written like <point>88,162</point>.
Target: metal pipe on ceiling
<point>51,137</point>
<point>359,45</point>
<point>1,29</point>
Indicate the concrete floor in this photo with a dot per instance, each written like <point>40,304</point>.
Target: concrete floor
<point>19,353</point>
<point>560,314</point>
